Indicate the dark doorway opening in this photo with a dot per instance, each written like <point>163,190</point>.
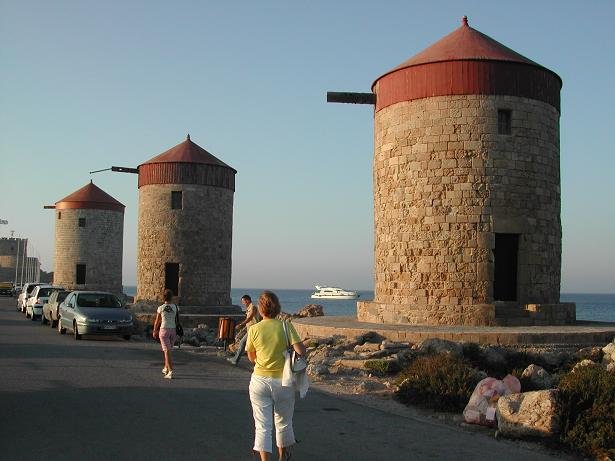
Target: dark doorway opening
<point>171,277</point>
<point>80,274</point>
<point>505,274</point>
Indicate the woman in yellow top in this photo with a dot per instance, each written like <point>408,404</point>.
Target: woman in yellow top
<point>265,347</point>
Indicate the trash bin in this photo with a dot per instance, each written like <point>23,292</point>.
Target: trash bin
<point>226,330</point>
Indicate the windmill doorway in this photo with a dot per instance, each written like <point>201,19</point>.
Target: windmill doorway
<point>506,255</point>
<point>171,277</point>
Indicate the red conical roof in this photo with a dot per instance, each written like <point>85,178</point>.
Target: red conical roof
<point>467,61</point>
<point>89,197</point>
<point>187,152</point>
<point>466,43</point>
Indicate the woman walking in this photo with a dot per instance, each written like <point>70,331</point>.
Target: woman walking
<point>164,330</point>
<point>265,347</point>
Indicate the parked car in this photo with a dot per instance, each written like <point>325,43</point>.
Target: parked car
<point>26,292</point>
<point>6,289</point>
<point>94,313</point>
<point>39,296</point>
<point>51,308</point>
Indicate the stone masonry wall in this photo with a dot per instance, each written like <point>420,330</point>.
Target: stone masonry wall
<point>445,182</point>
<point>98,245</point>
<point>8,257</point>
<point>198,237</point>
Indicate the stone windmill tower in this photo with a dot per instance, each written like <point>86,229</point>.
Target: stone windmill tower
<point>466,187</point>
<point>89,226</point>
<point>185,226</point>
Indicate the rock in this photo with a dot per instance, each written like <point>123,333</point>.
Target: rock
<point>375,355</point>
<point>609,353</point>
<point>317,369</point>
<point>367,347</point>
<point>539,378</point>
<point>350,354</point>
<point>350,363</point>
<point>583,363</point>
<point>590,353</point>
<point>390,345</point>
<point>201,333</point>
<point>529,414</point>
<point>285,316</point>
<point>369,337</point>
<point>441,346</point>
<point>311,310</point>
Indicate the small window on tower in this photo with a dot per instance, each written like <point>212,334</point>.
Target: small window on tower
<point>176,200</point>
<point>81,222</point>
<point>504,124</point>
<point>80,275</point>
<point>59,215</point>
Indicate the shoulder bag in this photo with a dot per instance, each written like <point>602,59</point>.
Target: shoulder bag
<point>297,361</point>
<point>179,330</point>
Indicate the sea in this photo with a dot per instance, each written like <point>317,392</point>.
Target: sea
<point>590,306</point>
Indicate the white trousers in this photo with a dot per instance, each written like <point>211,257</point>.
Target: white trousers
<point>272,402</point>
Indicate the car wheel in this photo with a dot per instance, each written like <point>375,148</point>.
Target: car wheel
<point>61,330</point>
<point>76,334</point>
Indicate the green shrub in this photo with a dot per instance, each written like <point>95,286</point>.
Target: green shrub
<point>382,367</point>
<point>442,382</point>
<point>588,410</point>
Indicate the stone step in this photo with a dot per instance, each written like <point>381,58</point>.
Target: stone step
<point>508,311</point>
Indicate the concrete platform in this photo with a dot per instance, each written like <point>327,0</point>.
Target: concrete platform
<point>581,333</point>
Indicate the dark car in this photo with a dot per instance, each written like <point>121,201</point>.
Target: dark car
<point>51,309</point>
<point>94,313</point>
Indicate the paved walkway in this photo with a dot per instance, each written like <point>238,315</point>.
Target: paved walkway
<point>102,399</point>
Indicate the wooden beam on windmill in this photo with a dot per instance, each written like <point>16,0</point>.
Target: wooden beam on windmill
<point>351,98</point>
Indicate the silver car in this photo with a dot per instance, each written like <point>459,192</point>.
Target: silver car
<point>94,313</point>
<point>51,309</point>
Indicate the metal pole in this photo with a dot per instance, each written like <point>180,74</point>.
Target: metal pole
<point>16,263</point>
<point>23,257</point>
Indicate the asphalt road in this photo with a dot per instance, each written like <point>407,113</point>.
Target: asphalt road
<point>105,399</point>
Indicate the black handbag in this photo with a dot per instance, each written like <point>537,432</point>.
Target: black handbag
<point>179,330</point>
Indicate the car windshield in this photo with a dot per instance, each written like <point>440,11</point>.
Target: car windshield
<point>44,292</point>
<point>62,296</point>
<point>97,300</point>
<point>30,288</point>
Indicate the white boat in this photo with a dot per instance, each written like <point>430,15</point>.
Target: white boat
<point>333,293</point>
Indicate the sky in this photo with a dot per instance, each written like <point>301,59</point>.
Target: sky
<point>86,85</point>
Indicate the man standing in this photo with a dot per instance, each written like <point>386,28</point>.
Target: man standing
<point>252,317</point>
